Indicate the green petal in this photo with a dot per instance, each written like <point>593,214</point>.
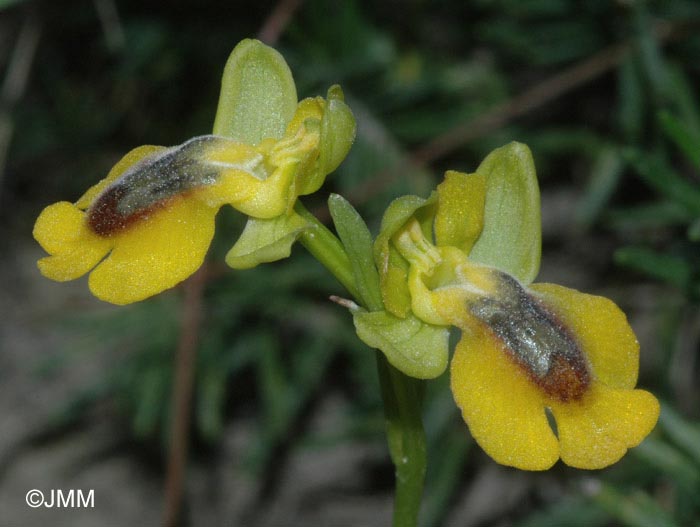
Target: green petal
<point>258,97</point>
<point>393,269</point>
<point>460,214</point>
<point>265,241</point>
<point>512,236</point>
<point>337,136</point>
<point>418,349</point>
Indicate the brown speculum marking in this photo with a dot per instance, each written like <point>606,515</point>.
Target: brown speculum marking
<point>535,339</point>
<point>149,185</point>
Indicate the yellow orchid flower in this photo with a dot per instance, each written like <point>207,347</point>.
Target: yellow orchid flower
<point>525,350</point>
<point>148,225</point>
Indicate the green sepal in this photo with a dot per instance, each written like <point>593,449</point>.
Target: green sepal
<point>357,240</point>
<point>266,240</point>
<point>337,135</point>
<point>258,96</point>
<point>392,267</point>
<point>459,219</point>
<point>417,349</point>
<point>511,239</point>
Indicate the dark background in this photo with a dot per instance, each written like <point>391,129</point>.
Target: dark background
<point>287,424</point>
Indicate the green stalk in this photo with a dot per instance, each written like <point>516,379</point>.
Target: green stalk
<point>327,249</point>
<point>402,395</point>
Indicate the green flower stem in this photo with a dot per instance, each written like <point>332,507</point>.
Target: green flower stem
<point>327,249</point>
<point>402,395</point>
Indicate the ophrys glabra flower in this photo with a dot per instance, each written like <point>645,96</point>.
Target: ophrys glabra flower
<point>525,349</point>
<point>148,224</point>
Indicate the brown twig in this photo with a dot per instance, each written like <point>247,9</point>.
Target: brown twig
<point>182,395</point>
<point>278,20</point>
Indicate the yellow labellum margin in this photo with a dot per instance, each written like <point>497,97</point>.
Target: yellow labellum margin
<point>146,257</point>
<point>505,409</point>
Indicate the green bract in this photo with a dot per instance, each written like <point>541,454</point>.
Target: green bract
<point>304,140</point>
<point>357,242</point>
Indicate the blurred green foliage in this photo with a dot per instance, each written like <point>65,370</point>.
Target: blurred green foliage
<point>627,143</point>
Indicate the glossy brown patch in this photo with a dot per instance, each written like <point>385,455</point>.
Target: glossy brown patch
<point>567,379</point>
<point>534,338</point>
<point>104,217</point>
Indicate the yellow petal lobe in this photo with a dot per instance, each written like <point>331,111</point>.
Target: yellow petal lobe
<point>597,431</point>
<point>59,225</point>
<point>600,328</point>
<point>61,230</point>
<point>503,409</point>
<point>156,253</point>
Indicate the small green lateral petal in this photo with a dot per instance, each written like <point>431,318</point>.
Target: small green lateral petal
<point>337,136</point>
<point>418,349</point>
<point>258,96</point>
<point>265,240</point>
<point>393,269</point>
<point>460,213</point>
<point>512,236</point>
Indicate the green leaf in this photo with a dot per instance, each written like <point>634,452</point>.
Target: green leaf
<point>672,269</point>
<point>337,136</point>
<point>211,396</point>
<point>258,96</point>
<point>669,460</point>
<point>445,474</point>
<point>631,105</point>
<point>512,237</point>
<point>684,433</point>
<point>683,136</point>
<point>636,510</point>
<point>285,391</point>
<point>656,171</point>
<point>266,240</point>
<point>357,240</point>
<point>152,394</point>
<point>605,176</point>
<point>415,348</point>
<point>572,512</point>
<point>694,231</point>
<point>649,215</point>
<point>7,3</point>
